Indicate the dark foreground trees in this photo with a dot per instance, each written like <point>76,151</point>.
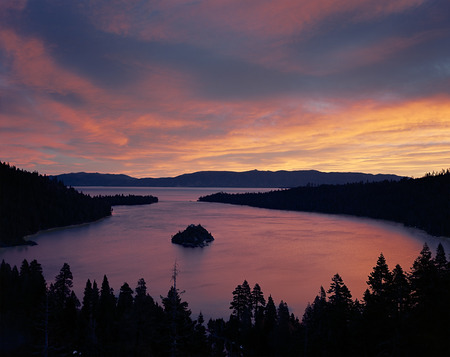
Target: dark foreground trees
<point>401,314</point>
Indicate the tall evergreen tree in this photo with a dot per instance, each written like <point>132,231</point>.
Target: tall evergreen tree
<point>200,343</point>
<point>125,301</point>
<point>401,291</point>
<point>181,326</point>
<point>270,323</point>
<point>427,309</point>
<point>340,314</point>
<point>380,308</point>
<point>88,318</point>
<point>258,302</point>
<point>106,317</point>
<point>315,325</point>
<point>423,274</point>
<point>63,310</point>
<point>150,320</point>
<point>126,325</point>
<point>440,260</point>
<point>242,304</point>
<point>380,279</point>
<point>282,330</point>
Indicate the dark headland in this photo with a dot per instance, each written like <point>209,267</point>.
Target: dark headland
<point>422,202</point>
<point>30,202</point>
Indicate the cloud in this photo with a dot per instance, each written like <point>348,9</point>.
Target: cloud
<point>158,88</point>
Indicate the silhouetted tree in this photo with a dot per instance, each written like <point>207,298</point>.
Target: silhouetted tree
<point>63,312</point>
<point>380,308</point>
<point>242,304</point>
<point>151,334</point>
<point>181,325</point>
<point>88,319</point>
<point>340,314</point>
<point>258,302</point>
<point>106,317</point>
<point>315,325</point>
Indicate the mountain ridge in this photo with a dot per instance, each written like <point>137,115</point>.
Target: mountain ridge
<point>253,178</point>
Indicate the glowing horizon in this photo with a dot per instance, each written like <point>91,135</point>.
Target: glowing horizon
<point>159,89</point>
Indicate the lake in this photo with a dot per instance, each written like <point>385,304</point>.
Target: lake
<point>289,254</point>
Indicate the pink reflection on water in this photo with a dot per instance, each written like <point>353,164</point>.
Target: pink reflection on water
<point>290,254</point>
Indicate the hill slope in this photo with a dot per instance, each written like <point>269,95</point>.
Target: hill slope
<point>252,178</point>
<point>30,202</point>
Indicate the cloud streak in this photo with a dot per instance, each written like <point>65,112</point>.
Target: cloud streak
<point>160,88</point>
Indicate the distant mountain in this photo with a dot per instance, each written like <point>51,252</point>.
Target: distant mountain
<point>254,178</point>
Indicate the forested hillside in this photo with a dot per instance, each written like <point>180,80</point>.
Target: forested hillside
<point>402,313</point>
<point>423,202</point>
<point>30,202</point>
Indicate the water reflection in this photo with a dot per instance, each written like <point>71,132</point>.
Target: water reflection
<point>290,254</point>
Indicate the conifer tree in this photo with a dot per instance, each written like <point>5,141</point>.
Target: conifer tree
<point>422,278</point>
<point>106,317</point>
<point>88,318</point>
<point>178,315</point>
<point>126,327</point>
<point>315,325</point>
<point>440,260</point>
<point>380,278</point>
<point>258,301</point>
<point>340,314</point>
<point>125,301</point>
<point>401,290</point>
<point>63,310</point>
<point>242,304</point>
<point>181,326</point>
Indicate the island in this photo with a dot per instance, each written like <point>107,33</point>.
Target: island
<point>193,236</point>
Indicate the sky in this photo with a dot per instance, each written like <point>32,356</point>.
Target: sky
<point>165,87</point>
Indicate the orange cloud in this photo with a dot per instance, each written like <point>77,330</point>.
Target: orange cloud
<point>363,137</point>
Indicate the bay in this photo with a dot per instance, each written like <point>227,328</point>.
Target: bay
<point>289,254</point>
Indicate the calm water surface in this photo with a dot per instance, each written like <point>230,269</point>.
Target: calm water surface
<point>290,254</point>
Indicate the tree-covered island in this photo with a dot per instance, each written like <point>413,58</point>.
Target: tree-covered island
<point>30,202</point>
<point>193,236</point>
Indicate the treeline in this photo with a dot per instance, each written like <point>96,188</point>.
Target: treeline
<point>401,314</point>
<point>128,200</point>
<point>423,202</point>
<point>30,202</point>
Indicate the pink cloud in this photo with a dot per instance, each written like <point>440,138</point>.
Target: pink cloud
<point>33,66</point>
<point>255,30</point>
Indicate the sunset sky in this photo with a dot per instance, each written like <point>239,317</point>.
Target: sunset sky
<point>165,87</point>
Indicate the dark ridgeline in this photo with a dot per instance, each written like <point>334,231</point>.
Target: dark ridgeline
<point>253,178</point>
<point>127,200</point>
<point>30,202</point>
<point>423,202</point>
<point>401,314</point>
